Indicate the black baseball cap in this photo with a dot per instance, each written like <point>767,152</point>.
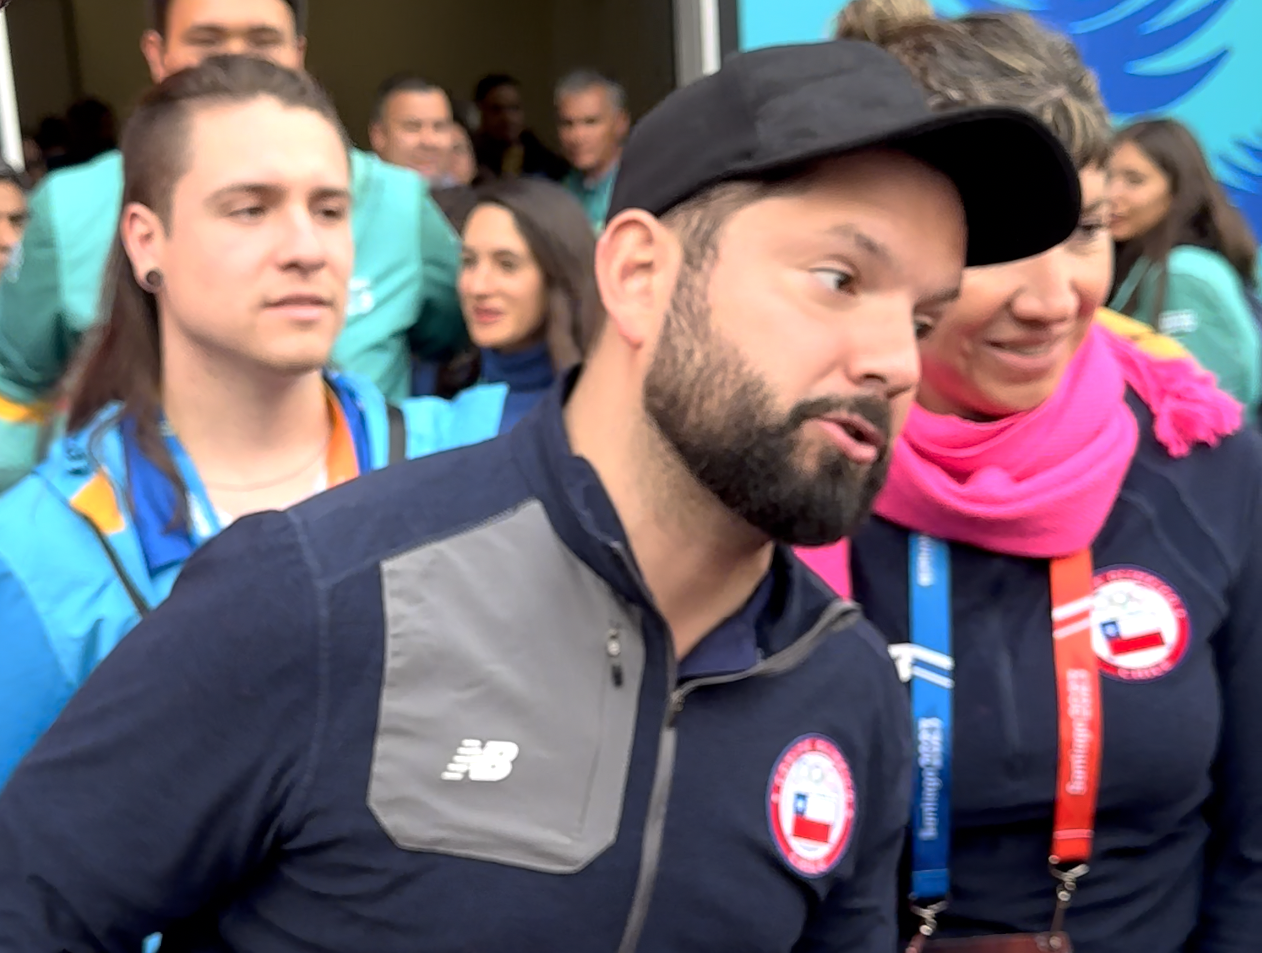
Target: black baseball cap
<point>769,111</point>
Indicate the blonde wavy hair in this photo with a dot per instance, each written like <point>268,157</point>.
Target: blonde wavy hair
<point>990,59</point>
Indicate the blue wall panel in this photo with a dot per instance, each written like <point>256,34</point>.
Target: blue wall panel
<point>1198,60</point>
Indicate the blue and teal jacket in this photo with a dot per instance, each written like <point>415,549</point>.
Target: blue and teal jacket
<point>593,196</point>
<point>1206,309</point>
<point>89,542</point>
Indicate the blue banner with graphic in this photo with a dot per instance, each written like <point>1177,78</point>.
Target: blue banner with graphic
<point>1197,60</point>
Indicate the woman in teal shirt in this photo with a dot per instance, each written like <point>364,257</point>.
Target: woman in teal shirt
<point>1185,255</point>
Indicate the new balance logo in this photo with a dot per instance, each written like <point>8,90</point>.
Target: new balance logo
<point>482,761</point>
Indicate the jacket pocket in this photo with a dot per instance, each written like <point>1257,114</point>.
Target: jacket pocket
<point>509,699</point>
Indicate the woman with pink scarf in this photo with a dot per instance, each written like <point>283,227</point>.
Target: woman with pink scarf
<point>1067,561</point>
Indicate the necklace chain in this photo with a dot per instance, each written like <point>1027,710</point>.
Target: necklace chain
<point>268,484</point>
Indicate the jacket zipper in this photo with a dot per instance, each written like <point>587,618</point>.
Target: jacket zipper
<point>664,772</point>
<point>655,821</point>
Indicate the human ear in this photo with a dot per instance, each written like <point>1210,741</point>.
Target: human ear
<point>144,240</point>
<point>637,264</point>
<point>152,47</point>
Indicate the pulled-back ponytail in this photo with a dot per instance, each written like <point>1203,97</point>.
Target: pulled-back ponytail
<point>875,20</point>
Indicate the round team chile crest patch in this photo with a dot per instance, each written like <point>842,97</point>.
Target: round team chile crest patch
<point>1141,628</point>
<point>810,805</point>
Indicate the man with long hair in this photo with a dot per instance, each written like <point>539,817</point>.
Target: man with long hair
<point>206,393</point>
<point>402,291</point>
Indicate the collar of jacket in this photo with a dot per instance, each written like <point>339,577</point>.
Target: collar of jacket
<point>586,521</point>
<point>528,370</point>
<point>107,446</point>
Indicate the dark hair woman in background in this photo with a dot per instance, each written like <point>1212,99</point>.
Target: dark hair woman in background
<point>1185,255</point>
<point>528,291</point>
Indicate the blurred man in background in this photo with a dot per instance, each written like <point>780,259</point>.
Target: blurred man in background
<point>13,214</point>
<point>53,139</point>
<point>593,123</point>
<point>33,159</point>
<point>412,126</point>
<point>503,145</point>
<point>93,130</point>
<point>457,196</point>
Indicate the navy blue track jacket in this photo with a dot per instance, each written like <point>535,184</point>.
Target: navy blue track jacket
<point>1178,602</point>
<point>436,710</point>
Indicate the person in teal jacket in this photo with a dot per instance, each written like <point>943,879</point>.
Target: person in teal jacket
<point>1185,255</point>
<point>206,395</point>
<point>81,563</point>
<point>402,290</point>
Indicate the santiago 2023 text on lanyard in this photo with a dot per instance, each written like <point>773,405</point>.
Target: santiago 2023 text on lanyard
<point>1079,726</point>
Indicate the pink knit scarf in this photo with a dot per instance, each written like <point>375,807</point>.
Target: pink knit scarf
<point>1042,482</point>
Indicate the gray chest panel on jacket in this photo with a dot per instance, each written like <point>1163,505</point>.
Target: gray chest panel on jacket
<point>503,735</point>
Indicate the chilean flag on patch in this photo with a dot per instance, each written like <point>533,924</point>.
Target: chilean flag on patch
<point>1125,645</point>
<point>813,817</point>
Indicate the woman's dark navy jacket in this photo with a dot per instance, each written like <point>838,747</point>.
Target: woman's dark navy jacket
<point>1178,851</point>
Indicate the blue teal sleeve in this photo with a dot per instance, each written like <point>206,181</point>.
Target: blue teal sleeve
<point>472,416</point>
<point>182,763</point>
<point>34,341</point>
<point>1216,326</point>
<point>33,685</point>
<point>440,330</point>
<point>1231,904</point>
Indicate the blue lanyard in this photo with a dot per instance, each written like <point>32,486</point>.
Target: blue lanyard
<point>931,686</point>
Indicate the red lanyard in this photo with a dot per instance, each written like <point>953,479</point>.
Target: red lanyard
<point>1079,728</point>
<point>1078,703</point>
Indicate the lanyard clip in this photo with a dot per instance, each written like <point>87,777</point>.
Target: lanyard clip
<point>929,917</point>
<point>1067,882</point>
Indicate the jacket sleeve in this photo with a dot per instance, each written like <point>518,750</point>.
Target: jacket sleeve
<point>34,686</point>
<point>472,416</point>
<point>1215,325</point>
<point>440,329</point>
<point>34,347</point>
<point>1231,901</point>
<point>179,764</point>
<point>33,343</point>
<point>860,915</point>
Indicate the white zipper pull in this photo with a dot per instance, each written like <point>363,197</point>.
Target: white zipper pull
<point>613,648</point>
